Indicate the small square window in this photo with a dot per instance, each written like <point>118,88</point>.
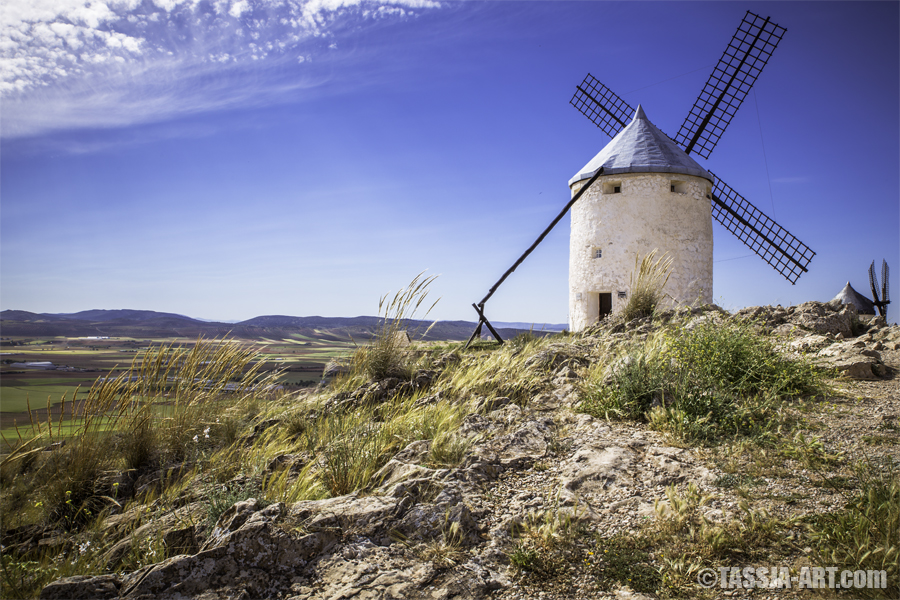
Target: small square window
<point>617,189</point>
<point>598,253</point>
<point>612,187</point>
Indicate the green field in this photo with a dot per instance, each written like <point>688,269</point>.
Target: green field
<point>14,399</point>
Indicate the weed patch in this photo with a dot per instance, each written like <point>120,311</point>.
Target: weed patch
<point>625,560</point>
<point>865,534</point>
<point>667,553</point>
<point>545,546</point>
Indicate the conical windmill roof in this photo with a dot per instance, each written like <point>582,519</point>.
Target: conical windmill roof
<point>641,148</point>
<point>850,296</point>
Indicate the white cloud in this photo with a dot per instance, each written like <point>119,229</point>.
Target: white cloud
<point>239,8</point>
<point>63,63</point>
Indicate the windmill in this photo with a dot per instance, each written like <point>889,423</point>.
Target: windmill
<point>734,75</point>
<point>873,281</point>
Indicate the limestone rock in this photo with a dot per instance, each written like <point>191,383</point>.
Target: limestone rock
<point>162,525</point>
<point>444,518</point>
<point>79,587</point>
<point>490,404</point>
<point>808,343</point>
<point>823,318</point>
<point>525,445</point>
<point>853,360</point>
<point>181,541</point>
<point>292,462</point>
<point>598,467</point>
<point>250,549</point>
<point>368,516</point>
<point>556,356</point>
<point>396,471</point>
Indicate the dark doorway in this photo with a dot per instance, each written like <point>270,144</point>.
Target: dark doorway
<point>605,305</point>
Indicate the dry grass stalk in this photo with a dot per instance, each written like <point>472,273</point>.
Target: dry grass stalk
<point>154,409</point>
<point>386,356</point>
<point>647,283</point>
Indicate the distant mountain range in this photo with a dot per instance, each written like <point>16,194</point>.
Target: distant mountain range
<point>152,324</point>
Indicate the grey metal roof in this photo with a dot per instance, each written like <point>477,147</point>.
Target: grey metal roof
<point>641,148</point>
<point>850,296</point>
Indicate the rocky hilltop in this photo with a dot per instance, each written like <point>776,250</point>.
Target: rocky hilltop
<point>540,487</point>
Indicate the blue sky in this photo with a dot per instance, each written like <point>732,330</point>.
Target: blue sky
<point>238,158</point>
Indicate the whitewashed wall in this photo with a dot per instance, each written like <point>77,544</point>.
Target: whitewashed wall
<point>643,216</point>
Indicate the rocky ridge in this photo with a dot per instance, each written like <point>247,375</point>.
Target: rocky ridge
<point>444,533</point>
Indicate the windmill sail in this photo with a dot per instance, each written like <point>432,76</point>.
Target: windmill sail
<point>873,281</point>
<point>599,104</point>
<point>747,53</point>
<point>772,242</point>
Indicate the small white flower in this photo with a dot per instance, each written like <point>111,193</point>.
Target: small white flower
<point>206,433</point>
<point>196,439</point>
<point>82,548</point>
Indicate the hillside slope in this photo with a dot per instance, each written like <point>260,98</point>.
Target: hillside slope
<point>628,462</point>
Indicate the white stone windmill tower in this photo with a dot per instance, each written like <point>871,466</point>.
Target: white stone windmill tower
<point>643,191</point>
<point>651,195</point>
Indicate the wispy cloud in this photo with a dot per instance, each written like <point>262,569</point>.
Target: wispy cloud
<point>78,63</point>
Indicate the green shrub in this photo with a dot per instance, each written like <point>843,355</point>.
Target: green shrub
<point>732,357</point>
<point>711,380</point>
<point>638,379</point>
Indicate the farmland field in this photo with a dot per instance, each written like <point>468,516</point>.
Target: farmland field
<point>79,362</point>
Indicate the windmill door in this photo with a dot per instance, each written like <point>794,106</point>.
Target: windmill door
<point>605,305</point>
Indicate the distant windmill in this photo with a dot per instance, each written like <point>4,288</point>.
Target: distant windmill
<point>873,281</point>
<point>644,166</point>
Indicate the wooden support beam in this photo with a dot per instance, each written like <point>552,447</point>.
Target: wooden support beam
<point>479,308</point>
<point>483,319</point>
<point>475,334</point>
